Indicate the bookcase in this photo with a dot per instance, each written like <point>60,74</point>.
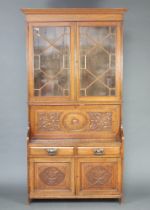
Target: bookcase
<point>75,139</point>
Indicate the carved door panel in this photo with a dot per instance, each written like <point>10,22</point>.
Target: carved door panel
<point>99,176</point>
<point>51,177</point>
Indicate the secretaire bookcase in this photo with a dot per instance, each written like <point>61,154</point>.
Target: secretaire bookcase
<point>75,140</point>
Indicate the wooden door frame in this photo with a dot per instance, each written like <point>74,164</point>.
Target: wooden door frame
<point>35,193</point>
<point>30,55</point>
<point>101,193</point>
<point>119,32</point>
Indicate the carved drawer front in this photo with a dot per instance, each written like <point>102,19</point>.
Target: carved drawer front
<point>75,121</point>
<point>51,177</point>
<point>51,151</point>
<point>99,151</point>
<point>99,176</point>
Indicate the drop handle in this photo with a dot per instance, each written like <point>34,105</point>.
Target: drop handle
<point>52,151</point>
<point>99,151</point>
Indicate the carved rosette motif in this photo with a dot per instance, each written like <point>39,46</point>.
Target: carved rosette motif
<point>98,176</point>
<point>100,121</point>
<point>52,176</point>
<point>49,121</point>
<point>74,121</point>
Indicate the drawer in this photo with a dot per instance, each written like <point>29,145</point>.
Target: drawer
<point>51,151</point>
<point>98,151</point>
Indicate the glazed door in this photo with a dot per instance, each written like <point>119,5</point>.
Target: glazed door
<point>51,61</point>
<point>75,59</point>
<point>99,176</point>
<point>99,66</point>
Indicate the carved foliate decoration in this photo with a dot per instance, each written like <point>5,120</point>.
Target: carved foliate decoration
<point>74,121</point>
<point>52,176</point>
<point>100,121</point>
<point>49,121</point>
<point>98,176</point>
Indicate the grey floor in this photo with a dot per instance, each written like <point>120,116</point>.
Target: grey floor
<point>13,197</point>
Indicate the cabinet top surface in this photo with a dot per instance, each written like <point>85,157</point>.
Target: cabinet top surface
<point>30,11</point>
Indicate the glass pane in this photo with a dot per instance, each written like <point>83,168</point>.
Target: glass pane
<point>51,61</point>
<point>97,61</point>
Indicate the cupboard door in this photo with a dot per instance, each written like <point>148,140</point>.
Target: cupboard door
<point>51,47</point>
<point>51,177</point>
<point>99,176</point>
<point>99,68</point>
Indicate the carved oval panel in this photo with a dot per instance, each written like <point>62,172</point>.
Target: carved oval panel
<point>75,121</point>
<point>52,176</point>
<point>98,175</point>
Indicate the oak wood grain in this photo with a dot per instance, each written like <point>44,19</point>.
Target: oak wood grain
<point>75,144</point>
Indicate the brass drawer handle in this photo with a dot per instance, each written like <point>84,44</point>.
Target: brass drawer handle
<point>99,151</point>
<point>52,151</point>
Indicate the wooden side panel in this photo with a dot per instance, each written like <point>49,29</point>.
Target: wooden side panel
<point>75,121</point>
<point>99,176</point>
<point>51,177</point>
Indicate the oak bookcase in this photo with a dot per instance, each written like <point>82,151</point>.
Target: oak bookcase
<point>75,139</point>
